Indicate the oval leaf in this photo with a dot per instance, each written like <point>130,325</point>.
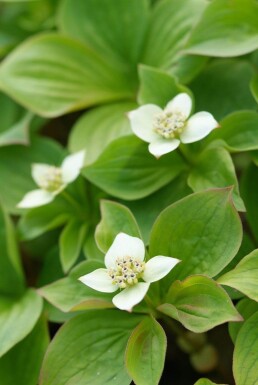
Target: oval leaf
<point>145,352</point>
<point>215,168</point>
<point>27,366</point>
<point>52,75</point>
<point>227,28</point>
<point>245,359</point>
<point>199,304</point>
<point>115,218</point>
<point>95,343</point>
<point>239,130</point>
<point>203,230</point>
<point>244,276</point>
<point>17,318</point>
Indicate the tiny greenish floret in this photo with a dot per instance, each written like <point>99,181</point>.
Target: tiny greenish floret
<point>127,272</point>
<point>168,124</point>
<point>51,180</point>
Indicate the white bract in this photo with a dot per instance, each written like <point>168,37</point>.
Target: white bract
<point>52,180</point>
<point>165,129</point>
<point>127,271</point>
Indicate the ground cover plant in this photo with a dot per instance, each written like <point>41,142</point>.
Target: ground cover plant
<point>129,192</point>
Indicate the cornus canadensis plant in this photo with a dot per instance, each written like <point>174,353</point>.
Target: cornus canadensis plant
<point>120,81</point>
<point>127,271</point>
<point>165,129</point>
<point>52,180</point>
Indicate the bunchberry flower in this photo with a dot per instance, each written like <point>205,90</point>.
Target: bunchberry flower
<point>126,271</point>
<point>52,180</point>
<point>165,129</point>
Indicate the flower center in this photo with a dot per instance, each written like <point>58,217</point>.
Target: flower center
<point>52,179</point>
<point>169,124</point>
<point>127,272</point>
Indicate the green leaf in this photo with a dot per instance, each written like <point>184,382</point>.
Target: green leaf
<point>244,276</point>
<point>15,122</point>
<point>71,241</point>
<point>146,210</point>
<point>16,179</point>
<point>152,79</point>
<point>39,220</point>
<point>110,122</point>
<point>17,318</point>
<point>246,308</point>
<point>203,230</point>
<point>254,87</point>
<point>199,304</point>
<point>90,248</point>
<point>115,30</point>
<point>51,75</point>
<point>205,381</point>
<point>27,356</point>
<point>146,343</point>
<point>12,279</point>
<point>215,168</point>
<point>69,294</point>
<point>127,170</point>
<point>227,28</point>
<point>245,359</point>
<point>249,188</point>
<point>224,80</point>
<point>95,342</point>
<point>115,218</point>
<point>239,131</point>
<point>170,26</point>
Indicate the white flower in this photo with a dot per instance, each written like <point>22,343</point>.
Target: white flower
<point>52,180</point>
<point>165,129</point>
<point>127,270</point>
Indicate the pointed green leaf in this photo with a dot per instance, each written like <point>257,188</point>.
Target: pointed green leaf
<point>254,87</point>
<point>215,168</point>
<point>227,28</point>
<point>199,304</point>
<point>205,381</point>
<point>17,318</point>
<point>246,308</point>
<point>12,278</point>
<point>170,26</point>
<point>110,122</point>
<point>227,80</point>
<point>152,79</point>
<point>244,276</point>
<point>71,241</point>
<point>249,191</point>
<point>145,352</point>
<point>245,359</point>
<point>52,74</point>
<point>239,131</point>
<point>94,342</point>
<point>127,170</point>
<point>115,218</point>
<point>203,230</point>
<point>27,356</point>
